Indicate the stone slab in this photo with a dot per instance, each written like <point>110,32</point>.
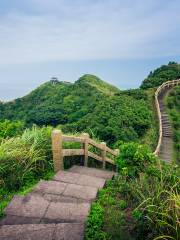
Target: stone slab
<point>76,178</point>
<point>67,177</point>
<point>92,172</point>
<point>30,206</point>
<point>16,220</point>
<point>63,231</point>
<point>91,181</point>
<point>70,231</point>
<point>60,198</point>
<point>63,212</point>
<point>27,232</point>
<point>82,192</point>
<point>53,187</point>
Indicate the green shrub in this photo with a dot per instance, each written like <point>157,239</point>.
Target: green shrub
<point>11,129</point>
<point>122,204</point>
<point>134,158</point>
<point>95,222</point>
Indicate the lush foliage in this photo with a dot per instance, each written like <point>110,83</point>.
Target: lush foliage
<point>134,159</point>
<point>162,74</point>
<point>173,106</point>
<point>10,129</point>
<point>142,207</point>
<point>89,105</point>
<point>25,157</point>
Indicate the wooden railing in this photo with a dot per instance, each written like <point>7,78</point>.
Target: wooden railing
<point>85,141</point>
<point>158,91</point>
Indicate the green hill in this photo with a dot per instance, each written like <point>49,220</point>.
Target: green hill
<point>89,104</point>
<point>162,74</point>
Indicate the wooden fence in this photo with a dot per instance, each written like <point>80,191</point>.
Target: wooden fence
<point>59,153</point>
<point>158,91</point>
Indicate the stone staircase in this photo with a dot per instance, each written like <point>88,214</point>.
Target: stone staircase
<point>56,209</point>
<point>166,151</point>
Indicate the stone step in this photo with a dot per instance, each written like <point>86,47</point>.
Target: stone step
<point>167,131</point>
<point>62,231</point>
<point>166,153</point>
<point>166,149</point>
<point>167,135</point>
<point>79,179</point>
<point>165,119</point>
<point>66,212</point>
<point>66,190</point>
<point>35,208</point>
<point>166,122</point>
<point>166,125</point>
<point>92,172</point>
<point>168,160</point>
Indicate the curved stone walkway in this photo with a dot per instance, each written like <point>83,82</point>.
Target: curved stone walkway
<point>56,209</point>
<point>166,151</point>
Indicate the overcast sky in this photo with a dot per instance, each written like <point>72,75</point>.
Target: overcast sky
<point>120,41</point>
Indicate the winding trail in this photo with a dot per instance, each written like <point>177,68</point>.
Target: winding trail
<point>166,150</point>
<point>165,143</point>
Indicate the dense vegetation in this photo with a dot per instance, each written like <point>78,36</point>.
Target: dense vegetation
<point>10,129</point>
<point>141,203</point>
<point>89,105</point>
<point>162,74</point>
<point>173,106</point>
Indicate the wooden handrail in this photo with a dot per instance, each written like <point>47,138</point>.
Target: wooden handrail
<point>59,153</point>
<point>158,91</point>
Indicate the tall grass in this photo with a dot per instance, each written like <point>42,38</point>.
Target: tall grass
<point>143,206</point>
<point>25,158</point>
<point>159,203</point>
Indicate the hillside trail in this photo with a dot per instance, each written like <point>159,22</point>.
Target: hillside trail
<point>166,150</point>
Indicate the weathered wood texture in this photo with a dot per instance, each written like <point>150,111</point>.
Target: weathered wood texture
<point>58,152</point>
<point>168,84</point>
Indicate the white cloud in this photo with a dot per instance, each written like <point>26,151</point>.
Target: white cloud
<point>83,30</point>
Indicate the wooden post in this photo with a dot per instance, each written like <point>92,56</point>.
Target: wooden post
<point>57,150</point>
<point>86,142</point>
<point>103,154</point>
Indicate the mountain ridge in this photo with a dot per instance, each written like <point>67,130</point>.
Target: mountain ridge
<point>89,105</point>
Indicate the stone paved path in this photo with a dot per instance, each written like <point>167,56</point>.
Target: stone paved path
<point>166,151</point>
<point>56,209</point>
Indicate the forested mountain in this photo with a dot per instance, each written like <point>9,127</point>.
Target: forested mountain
<point>89,105</point>
<point>162,74</point>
